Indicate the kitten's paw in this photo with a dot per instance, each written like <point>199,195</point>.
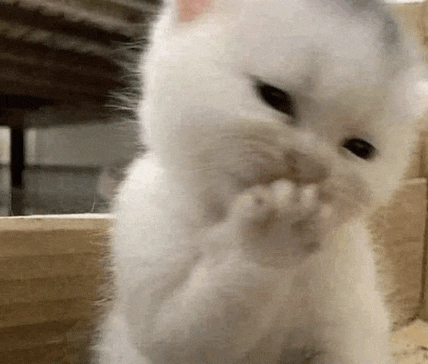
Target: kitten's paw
<point>296,203</point>
<point>256,205</point>
<point>281,200</point>
<point>282,214</point>
<point>303,208</point>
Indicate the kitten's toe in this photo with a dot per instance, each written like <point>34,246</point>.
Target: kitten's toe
<point>256,205</point>
<point>309,199</point>
<point>285,194</point>
<point>326,213</point>
<point>296,202</point>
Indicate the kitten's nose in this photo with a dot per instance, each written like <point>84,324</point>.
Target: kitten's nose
<point>306,169</point>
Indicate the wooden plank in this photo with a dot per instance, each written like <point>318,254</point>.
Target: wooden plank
<point>404,217</point>
<point>46,354</point>
<point>399,231</point>
<point>49,266</point>
<point>50,286</point>
<point>78,222</point>
<point>32,336</point>
<point>27,243</point>
<point>48,289</point>
<point>411,15</point>
<point>23,314</point>
<point>414,168</point>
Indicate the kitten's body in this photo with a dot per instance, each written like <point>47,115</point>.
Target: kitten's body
<point>241,237</point>
<point>320,294</point>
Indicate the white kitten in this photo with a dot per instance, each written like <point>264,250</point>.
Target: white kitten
<point>274,128</point>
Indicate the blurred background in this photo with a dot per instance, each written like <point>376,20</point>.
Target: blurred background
<point>67,93</point>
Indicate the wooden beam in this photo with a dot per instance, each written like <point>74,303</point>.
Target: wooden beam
<point>16,82</point>
<point>75,65</point>
<point>13,118</point>
<point>63,114</point>
<point>45,53</point>
<point>95,85</point>
<point>129,11</point>
<point>59,23</point>
<point>54,40</point>
<point>411,16</point>
<point>123,17</point>
<point>10,101</point>
<point>71,115</point>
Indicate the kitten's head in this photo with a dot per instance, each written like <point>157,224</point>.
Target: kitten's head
<point>242,92</point>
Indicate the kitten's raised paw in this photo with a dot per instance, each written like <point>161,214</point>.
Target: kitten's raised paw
<point>282,199</point>
<point>256,205</point>
<point>282,210</point>
<point>295,202</point>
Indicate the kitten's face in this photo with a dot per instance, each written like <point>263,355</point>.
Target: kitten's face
<point>252,91</point>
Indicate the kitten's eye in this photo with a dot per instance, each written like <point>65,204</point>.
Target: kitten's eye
<point>277,99</point>
<point>360,148</point>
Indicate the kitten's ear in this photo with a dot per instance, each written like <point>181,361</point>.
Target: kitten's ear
<point>189,10</point>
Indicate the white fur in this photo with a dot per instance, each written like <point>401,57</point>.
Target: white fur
<point>197,281</point>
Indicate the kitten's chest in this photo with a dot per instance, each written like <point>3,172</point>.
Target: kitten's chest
<point>291,339</point>
<point>311,289</point>
<point>288,345</point>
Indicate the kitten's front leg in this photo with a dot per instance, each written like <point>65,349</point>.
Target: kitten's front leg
<point>358,341</point>
<point>354,324</point>
<point>235,293</point>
